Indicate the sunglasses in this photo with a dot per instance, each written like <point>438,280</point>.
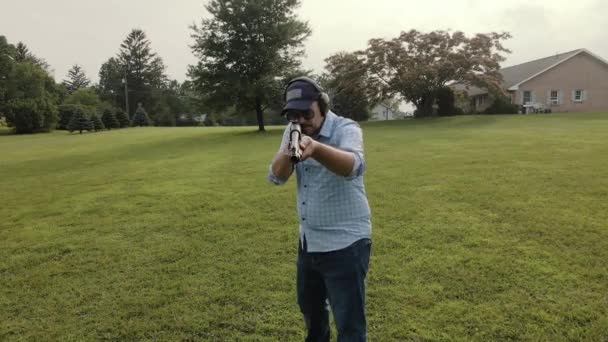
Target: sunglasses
<point>294,115</point>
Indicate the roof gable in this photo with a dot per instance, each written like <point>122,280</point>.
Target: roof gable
<point>514,76</point>
<point>518,74</point>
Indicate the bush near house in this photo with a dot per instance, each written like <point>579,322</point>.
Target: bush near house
<point>501,105</point>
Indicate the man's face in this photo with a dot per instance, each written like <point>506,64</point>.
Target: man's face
<point>310,121</point>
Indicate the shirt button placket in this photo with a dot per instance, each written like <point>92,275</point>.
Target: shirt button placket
<point>305,194</point>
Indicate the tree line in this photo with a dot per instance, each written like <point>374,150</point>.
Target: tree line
<point>246,51</point>
<point>31,101</point>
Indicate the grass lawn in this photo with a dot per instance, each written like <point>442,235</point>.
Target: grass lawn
<point>485,228</point>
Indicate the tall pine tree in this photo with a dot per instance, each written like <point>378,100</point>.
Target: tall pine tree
<point>111,85</point>
<point>76,79</point>
<point>142,69</point>
<point>23,54</point>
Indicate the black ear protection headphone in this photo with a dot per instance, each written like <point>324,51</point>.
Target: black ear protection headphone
<point>323,98</point>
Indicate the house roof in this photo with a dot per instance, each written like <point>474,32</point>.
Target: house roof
<point>515,75</point>
<point>469,89</point>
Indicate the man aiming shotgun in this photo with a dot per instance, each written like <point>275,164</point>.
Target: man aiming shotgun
<point>326,151</point>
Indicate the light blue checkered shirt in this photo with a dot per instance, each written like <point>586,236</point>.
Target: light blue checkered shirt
<point>332,209</point>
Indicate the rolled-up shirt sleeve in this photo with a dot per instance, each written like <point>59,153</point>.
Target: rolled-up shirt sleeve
<point>282,147</point>
<point>351,140</point>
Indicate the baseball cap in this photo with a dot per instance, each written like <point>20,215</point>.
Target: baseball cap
<point>299,96</point>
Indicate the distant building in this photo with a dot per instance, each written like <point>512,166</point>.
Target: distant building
<point>575,81</point>
<point>198,118</point>
<point>382,111</point>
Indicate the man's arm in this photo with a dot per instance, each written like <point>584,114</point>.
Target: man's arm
<point>337,161</point>
<point>280,168</point>
<point>346,159</point>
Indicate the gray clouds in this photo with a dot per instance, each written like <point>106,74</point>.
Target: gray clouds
<point>88,32</point>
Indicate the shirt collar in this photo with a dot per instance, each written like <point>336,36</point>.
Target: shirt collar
<point>328,125</point>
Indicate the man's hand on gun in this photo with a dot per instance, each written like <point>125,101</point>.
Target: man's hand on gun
<point>301,147</point>
<point>307,146</point>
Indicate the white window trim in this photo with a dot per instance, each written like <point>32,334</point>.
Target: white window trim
<point>581,97</point>
<point>523,97</point>
<point>554,100</point>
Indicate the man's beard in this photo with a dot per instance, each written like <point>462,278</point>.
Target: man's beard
<point>310,131</point>
<point>307,129</point>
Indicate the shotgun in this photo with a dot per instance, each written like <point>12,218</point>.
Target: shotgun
<point>295,134</point>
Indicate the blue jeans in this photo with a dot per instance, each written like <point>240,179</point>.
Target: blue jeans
<point>339,277</point>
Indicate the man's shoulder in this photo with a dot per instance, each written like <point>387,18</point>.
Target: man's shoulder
<point>341,121</point>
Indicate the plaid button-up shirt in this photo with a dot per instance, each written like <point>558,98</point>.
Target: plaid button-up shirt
<point>333,210</point>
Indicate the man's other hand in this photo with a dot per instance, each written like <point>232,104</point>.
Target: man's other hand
<point>308,146</point>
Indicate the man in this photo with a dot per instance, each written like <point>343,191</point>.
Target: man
<point>335,226</point>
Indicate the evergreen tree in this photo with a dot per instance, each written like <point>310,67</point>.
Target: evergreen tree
<point>111,83</point>
<point>80,122</point>
<point>141,68</point>
<point>96,123</point>
<point>122,118</point>
<point>66,111</point>
<point>141,117</point>
<point>23,54</point>
<point>109,119</point>
<point>76,79</point>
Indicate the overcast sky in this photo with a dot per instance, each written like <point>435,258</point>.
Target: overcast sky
<point>88,32</point>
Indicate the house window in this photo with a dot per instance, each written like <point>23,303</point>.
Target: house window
<point>527,97</point>
<point>578,95</point>
<point>554,97</point>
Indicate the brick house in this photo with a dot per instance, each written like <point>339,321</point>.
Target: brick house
<point>575,81</point>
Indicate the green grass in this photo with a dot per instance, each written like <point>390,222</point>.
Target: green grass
<point>4,130</point>
<point>485,228</point>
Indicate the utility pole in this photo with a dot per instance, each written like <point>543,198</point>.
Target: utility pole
<point>124,80</point>
<point>126,96</point>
